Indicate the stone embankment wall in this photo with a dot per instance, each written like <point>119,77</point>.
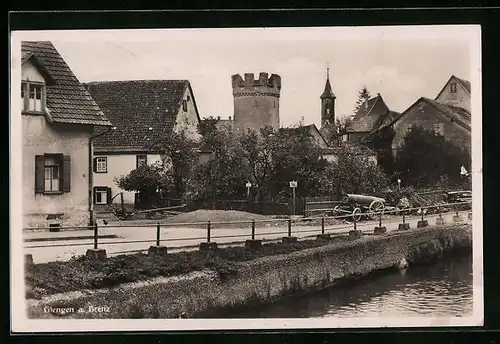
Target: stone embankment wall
<point>262,280</point>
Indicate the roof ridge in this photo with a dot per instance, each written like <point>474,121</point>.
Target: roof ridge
<point>135,80</point>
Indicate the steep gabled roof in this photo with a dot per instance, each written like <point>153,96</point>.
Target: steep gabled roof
<point>308,129</point>
<point>142,110</point>
<point>372,114</point>
<point>67,100</point>
<point>463,82</point>
<point>457,114</point>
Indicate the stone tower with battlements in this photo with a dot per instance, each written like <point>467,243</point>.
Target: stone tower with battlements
<point>256,101</point>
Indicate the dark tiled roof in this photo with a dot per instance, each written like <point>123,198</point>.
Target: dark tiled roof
<point>373,114</point>
<point>67,99</point>
<point>135,106</point>
<point>464,83</point>
<point>457,114</point>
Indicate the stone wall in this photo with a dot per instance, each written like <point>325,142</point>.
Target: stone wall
<point>258,281</point>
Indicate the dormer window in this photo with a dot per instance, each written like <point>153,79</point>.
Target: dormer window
<point>184,105</point>
<point>32,96</point>
<point>453,87</point>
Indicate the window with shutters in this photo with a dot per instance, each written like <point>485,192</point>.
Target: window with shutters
<point>101,165</point>
<point>52,173</point>
<point>101,195</point>
<point>32,97</point>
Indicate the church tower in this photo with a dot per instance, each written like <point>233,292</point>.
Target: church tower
<point>327,103</point>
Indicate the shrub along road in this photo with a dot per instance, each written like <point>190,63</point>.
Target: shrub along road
<point>188,238</point>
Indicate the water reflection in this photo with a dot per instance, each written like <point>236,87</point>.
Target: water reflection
<point>442,289</point>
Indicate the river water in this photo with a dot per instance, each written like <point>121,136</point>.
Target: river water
<point>440,289</point>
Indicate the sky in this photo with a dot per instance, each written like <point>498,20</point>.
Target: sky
<point>400,65</point>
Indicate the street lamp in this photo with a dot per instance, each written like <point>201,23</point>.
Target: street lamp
<point>248,185</point>
<point>399,185</point>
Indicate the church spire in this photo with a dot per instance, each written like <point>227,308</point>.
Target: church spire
<point>327,103</point>
<point>328,93</point>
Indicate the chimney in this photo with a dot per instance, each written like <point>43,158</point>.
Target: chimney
<point>218,118</point>
<point>230,118</point>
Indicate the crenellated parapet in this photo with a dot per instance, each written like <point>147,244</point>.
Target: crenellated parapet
<point>250,86</point>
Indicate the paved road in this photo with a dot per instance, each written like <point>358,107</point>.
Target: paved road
<point>183,238</point>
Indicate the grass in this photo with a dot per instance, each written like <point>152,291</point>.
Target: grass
<point>84,273</point>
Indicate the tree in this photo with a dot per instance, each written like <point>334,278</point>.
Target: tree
<point>296,157</point>
<point>381,142</point>
<point>363,96</point>
<point>178,152</point>
<point>334,131</point>
<point>354,171</point>
<point>426,159</point>
<point>225,174</point>
<point>147,180</point>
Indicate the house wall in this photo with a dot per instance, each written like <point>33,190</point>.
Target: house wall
<point>29,72</point>
<point>354,137</point>
<point>424,115</point>
<point>119,165</point>
<point>460,98</point>
<point>188,120</point>
<point>41,137</point>
<point>317,137</point>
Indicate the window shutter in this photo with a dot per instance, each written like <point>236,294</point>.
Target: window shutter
<point>39,173</point>
<point>95,165</point>
<point>66,170</point>
<point>108,193</point>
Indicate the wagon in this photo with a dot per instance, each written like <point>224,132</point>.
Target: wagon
<point>358,206</point>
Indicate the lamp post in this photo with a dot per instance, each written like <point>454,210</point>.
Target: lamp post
<point>399,185</point>
<point>248,185</point>
<point>293,185</point>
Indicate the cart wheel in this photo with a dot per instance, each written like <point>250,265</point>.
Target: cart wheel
<point>376,207</point>
<point>356,214</point>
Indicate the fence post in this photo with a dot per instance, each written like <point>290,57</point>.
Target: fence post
<point>289,227</point>
<point>208,231</point>
<point>158,234</point>
<point>404,225</point>
<point>96,235</point>
<point>323,224</point>
<point>253,229</point>
<point>98,254</point>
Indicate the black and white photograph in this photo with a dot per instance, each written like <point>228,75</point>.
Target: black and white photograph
<point>246,178</point>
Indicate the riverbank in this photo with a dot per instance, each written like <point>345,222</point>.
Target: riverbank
<point>255,281</point>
